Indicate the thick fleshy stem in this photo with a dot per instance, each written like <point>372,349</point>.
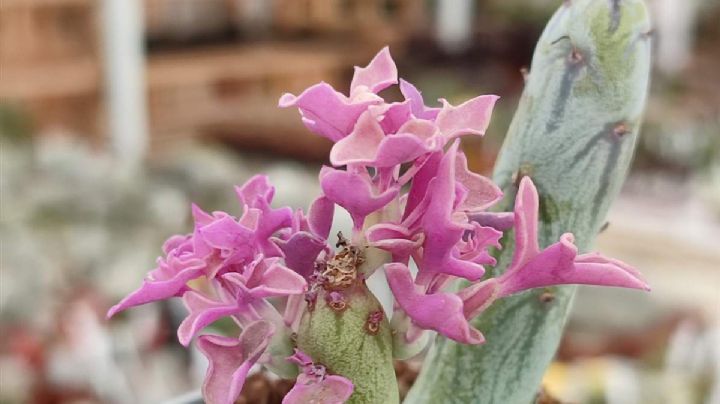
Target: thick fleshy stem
<point>573,134</point>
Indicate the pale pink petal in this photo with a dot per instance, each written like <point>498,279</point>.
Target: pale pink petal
<point>471,117</point>
<point>392,116</point>
<point>478,297</point>
<point>361,144</point>
<point>154,289</point>
<point>320,217</point>
<point>416,102</point>
<point>482,192</point>
<point>230,361</point>
<point>394,238</point>
<point>277,280</point>
<point>379,74</point>
<point>368,145</point>
<point>442,312</point>
<point>325,111</point>
<point>354,193</point>
<point>333,389</point>
<point>202,312</point>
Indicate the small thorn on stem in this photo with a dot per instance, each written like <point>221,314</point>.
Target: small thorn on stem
<point>547,296</point>
<point>620,130</point>
<point>525,73</point>
<point>576,56</point>
<point>604,227</point>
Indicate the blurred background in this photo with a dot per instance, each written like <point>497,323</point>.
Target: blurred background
<point>116,114</point>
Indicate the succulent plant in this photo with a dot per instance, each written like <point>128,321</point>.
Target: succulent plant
<point>475,261</point>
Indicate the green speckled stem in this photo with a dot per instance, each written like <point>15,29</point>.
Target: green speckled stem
<point>573,133</point>
<point>340,341</point>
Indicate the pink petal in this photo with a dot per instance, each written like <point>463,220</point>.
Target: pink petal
<point>526,222</point>
<point>470,117</point>
<point>333,389</point>
<point>368,145</point>
<point>354,193</point>
<point>442,312</point>
<point>442,233</point>
<point>202,312</point>
<point>420,183</point>
<point>277,280</point>
<point>478,297</point>
<point>320,217</point>
<point>497,220</point>
<point>159,289</point>
<point>231,360</point>
<point>392,116</point>
<point>301,251</point>
<point>559,264</point>
<point>416,102</point>
<point>394,238</point>
<point>482,192</point>
<point>325,111</point>
<point>256,188</point>
<point>379,74</point>
<point>361,144</point>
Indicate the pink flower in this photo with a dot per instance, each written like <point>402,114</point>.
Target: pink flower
<point>314,385</point>
<point>230,361</point>
<point>558,264</point>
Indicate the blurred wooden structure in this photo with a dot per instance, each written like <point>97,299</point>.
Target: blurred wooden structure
<point>222,73</point>
<point>49,61</point>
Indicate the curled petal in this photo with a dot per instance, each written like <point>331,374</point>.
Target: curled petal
<point>227,234</point>
<point>354,193</point>
<point>255,189</point>
<point>379,74</point>
<point>368,145</point>
<point>417,104</point>
<point>325,111</point>
<point>332,389</point>
<point>394,238</point>
<point>471,117</point>
<point>497,220</point>
<point>320,217</point>
<point>526,221</point>
<point>442,232</point>
<point>442,312</point>
<point>361,144</point>
<point>268,279</point>
<point>201,313</point>
<point>477,297</point>
<point>168,280</point>
<point>301,251</point>
<point>482,192</point>
<point>392,116</point>
<point>231,359</point>
<point>559,264</point>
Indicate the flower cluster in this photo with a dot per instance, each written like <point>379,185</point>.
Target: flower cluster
<point>398,171</point>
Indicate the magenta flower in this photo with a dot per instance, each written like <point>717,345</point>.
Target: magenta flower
<point>315,385</point>
<point>230,361</point>
<point>398,170</point>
